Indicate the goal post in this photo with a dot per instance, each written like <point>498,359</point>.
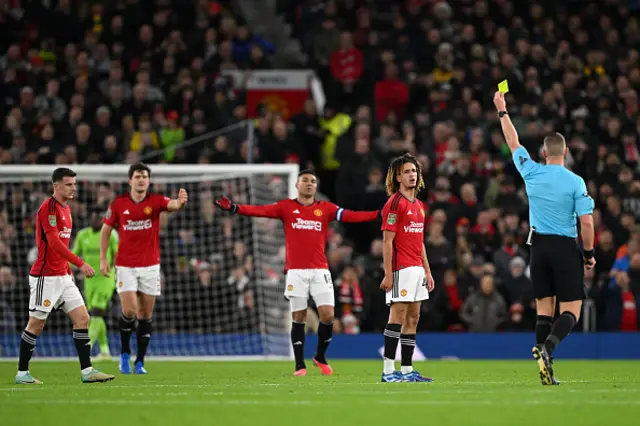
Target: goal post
<point>222,275</point>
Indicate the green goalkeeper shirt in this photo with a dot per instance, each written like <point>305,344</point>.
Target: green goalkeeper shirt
<point>87,246</point>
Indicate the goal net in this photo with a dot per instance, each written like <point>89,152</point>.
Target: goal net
<point>222,275</point>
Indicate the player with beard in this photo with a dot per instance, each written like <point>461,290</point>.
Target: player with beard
<point>306,224</point>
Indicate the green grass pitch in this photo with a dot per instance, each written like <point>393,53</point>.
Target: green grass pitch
<point>475,393</point>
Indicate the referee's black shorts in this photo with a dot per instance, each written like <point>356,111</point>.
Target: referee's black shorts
<point>557,268</point>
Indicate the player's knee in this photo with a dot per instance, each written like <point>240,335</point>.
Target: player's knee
<point>299,316</point>
<point>129,312</point>
<point>397,313</point>
<point>35,325</point>
<point>326,314</point>
<point>81,320</point>
<point>411,319</point>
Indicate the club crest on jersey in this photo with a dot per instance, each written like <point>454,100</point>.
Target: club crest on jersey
<point>148,210</point>
<point>317,212</point>
<point>120,284</point>
<point>52,220</point>
<point>46,303</point>
<point>289,287</point>
<point>108,214</point>
<point>403,293</point>
<point>391,219</point>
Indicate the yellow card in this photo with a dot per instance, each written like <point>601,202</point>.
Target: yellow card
<point>503,87</point>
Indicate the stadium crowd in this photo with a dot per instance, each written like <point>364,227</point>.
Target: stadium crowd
<point>110,82</point>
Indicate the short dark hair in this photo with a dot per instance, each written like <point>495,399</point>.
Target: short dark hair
<point>61,173</point>
<point>139,167</point>
<point>307,172</point>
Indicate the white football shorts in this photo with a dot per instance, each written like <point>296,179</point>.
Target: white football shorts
<point>145,279</point>
<point>301,284</point>
<point>48,293</point>
<point>409,285</point>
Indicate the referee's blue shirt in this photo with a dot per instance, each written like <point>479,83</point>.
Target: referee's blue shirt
<point>557,196</point>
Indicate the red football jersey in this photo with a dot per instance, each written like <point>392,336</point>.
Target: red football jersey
<point>138,226</point>
<point>306,228</point>
<point>52,217</point>
<point>406,219</point>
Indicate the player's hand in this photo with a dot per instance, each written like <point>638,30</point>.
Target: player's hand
<point>226,204</point>
<point>431,284</point>
<point>87,270</point>
<point>387,283</point>
<point>182,197</point>
<point>105,268</point>
<point>499,102</point>
<point>589,263</point>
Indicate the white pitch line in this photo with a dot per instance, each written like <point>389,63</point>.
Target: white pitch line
<point>267,402</point>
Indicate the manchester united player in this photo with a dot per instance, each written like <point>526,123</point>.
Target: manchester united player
<point>306,222</point>
<point>136,215</point>
<point>407,276</point>
<point>51,284</point>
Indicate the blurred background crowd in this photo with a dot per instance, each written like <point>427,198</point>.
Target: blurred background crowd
<point>114,82</point>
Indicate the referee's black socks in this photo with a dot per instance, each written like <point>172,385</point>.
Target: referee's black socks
<point>297,340</point>
<point>561,329</point>
<point>543,328</point>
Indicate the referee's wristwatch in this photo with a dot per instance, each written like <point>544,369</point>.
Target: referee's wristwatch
<point>502,113</point>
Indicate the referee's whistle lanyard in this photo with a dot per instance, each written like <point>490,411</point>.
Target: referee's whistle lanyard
<point>532,230</point>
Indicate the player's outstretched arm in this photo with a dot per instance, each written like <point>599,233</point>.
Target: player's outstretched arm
<point>105,242</point>
<point>352,216</point>
<point>427,269</point>
<point>508,130</point>
<point>178,203</point>
<point>270,210</point>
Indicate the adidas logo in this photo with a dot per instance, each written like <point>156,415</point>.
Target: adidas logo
<point>126,212</point>
<point>296,211</point>
<point>298,343</point>
<point>410,213</point>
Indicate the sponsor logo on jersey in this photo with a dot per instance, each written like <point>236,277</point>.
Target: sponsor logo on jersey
<point>317,212</point>
<point>403,293</point>
<point>414,227</point>
<point>289,287</point>
<point>65,233</point>
<point>148,210</point>
<point>46,303</point>
<point>309,225</point>
<point>52,220</point>
<point>108,213</point>
<point>391,219</point>
<point>137,225</point>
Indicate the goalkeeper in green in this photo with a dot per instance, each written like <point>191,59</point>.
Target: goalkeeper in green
<point>98,290</point>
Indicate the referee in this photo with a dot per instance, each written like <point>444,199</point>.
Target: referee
<point>556,197</point>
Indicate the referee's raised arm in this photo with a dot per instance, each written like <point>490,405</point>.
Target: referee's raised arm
<point>557,197</point>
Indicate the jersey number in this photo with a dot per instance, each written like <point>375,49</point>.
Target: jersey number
<point>327,278</point>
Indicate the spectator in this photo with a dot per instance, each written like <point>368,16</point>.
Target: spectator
<point>485,309</point>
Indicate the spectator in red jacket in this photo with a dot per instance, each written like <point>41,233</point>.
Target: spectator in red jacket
<point>391,95</point>
<point>346,62</point>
